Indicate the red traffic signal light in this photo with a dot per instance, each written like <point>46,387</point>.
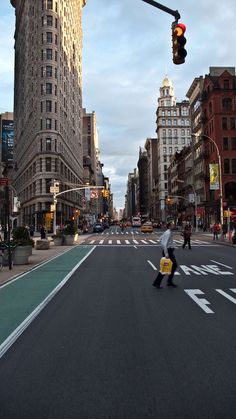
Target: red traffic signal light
<point>178,43</point>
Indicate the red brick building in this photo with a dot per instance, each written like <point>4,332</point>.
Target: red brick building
<point>219,123</point>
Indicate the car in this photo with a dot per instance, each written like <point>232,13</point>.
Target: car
<point>147,227</point>
<point>98,228</point>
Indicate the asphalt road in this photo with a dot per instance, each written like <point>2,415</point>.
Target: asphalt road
<point>109,345</point>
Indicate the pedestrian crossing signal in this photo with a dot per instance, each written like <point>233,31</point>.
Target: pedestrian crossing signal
<point>178,43</point>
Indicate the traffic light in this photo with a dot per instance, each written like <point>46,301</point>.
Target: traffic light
<point>169,200</point>
<point>178,43</point>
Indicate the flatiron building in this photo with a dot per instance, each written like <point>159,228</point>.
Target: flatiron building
<point>48,142</point>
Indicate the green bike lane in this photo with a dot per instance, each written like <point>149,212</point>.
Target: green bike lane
<point>22,299</point>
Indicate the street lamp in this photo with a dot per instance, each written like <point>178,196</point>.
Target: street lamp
<point>220,174</point>
<point>195,201</point>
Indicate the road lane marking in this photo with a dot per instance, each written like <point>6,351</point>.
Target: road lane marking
<point>127,242</point>
<point>144,241</point>
<point>135,241</point>
<point>150,263</point>
<point>222,264</point>
<point>92,241</point>
<point>201,302</point>
<point>109,241</point>
<point>21,328</point>
<point>229,297</point>
<point>118,241</point>
<point>101,241</point>
<point>152,241</point>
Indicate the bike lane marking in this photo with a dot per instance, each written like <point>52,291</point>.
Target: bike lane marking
<point>22,299</point>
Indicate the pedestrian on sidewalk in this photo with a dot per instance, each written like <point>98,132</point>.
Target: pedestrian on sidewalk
<point>43,232</point>
<point>187,236</point>
<point>168,252</point>
<point>216,231</point>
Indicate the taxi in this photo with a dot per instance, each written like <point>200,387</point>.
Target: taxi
<point>147,227</point>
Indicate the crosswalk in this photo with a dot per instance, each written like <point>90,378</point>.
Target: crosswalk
<point>141,242</point>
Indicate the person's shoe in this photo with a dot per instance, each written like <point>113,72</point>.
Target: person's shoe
<point>171,284</point>
<point>156,286</point>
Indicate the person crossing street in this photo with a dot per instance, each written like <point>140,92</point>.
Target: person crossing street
<point>168,252</point>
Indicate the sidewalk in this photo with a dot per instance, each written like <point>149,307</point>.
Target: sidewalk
<point>37,258</point>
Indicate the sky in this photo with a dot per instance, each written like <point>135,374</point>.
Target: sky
<point>127,52</point>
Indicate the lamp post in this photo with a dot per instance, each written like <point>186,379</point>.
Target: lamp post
<point>220,174</point>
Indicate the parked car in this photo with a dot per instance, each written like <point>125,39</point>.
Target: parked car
<point>147,227</point>
<point>98,228</point>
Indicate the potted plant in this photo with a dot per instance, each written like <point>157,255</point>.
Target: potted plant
<point>70,232</point>
<point>57,238</point>
<point>24,245</point>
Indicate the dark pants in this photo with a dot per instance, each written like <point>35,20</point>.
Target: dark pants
<point>187,242</point>
<point>160,276</point>
<point>215,235</point>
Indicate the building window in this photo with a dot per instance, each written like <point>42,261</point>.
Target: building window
<point>49,37</point>
<point>48,123</point>
<point>164,150</point>
<point>233,165</point>
<point>226,84</point>
<point>40,186</point>
<point>170,150</point>
<point>49,4</point>
<point>233,143</point>
<point>163,121</point>
<point>48,185</point>
<point>48,164</point>
<point>227,103</point>
<point>165,167</point>
<point>225,143</point>
<point>41,106</point>
<point>49,54</point>
<point>169,121</point>
<point>164,141</point>
<point>49,20</point>
<point>48,88</point>
<point>40,164</point>
<point>183,141</point>
<point>232,123</point>
<point>182,132</point>
<point>48,144</point>
<point>48,71</point>
<point>176,140</point>
<point>224,123</point>
<point>226,166</point>
<point>56,164</point>
<point>165,159</point>
<point>170,141</point>
<point>55,55</point>
<point>165,185</point>
<point>48,106</point>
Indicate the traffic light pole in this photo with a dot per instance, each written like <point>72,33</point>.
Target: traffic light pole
<point>172,12</point>
<point>55,195</point>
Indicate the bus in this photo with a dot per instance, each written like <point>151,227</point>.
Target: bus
<point>136,221</point>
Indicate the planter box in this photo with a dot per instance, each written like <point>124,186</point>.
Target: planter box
<point>57,241</point>
<point>69,240</point>
<point>21,255</point>
<point>42,244</point>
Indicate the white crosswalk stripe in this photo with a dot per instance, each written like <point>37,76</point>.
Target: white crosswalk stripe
<point>146,242</point>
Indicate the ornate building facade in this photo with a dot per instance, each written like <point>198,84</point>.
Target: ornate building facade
<point>48,107</point>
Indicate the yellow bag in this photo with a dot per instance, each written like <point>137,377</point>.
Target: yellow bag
<point>165,266</point>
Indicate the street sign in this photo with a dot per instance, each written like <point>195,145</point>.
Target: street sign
<point>54,189</point>
<point>3,181</point>
<point>191,197</point>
